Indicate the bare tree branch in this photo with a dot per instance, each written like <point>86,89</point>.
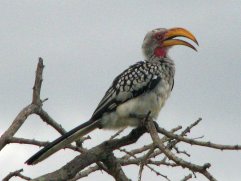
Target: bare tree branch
<point>117,134</point>
<point>38,82</point>
<point>196,142</point>
<point>16,173</point>
<point>17,123</point>
<point>193,167</point>
<point>114,168</point>
<point>157,153</point>
<point>93,155</point>
<point>40,143</point>
<point>85,173</point>
<point>50,121</point>
<point>187,177</point>
<point>28,110</point>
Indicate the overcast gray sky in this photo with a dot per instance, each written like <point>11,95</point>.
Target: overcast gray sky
<point>85,44</point>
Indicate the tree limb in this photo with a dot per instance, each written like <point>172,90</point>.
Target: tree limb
<point>93,155</point>
<point>196,142</point>
<point>114,167</point>
<point>193,167</point>
<point>102,154</point>
<point>16,173</point>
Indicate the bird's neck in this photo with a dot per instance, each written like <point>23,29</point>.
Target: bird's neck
<point>162,59</point>
<point>160,52</point>
<point>158,55</point>
<point>155,53</point>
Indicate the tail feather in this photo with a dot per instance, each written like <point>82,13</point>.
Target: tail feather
<point>62,141</point>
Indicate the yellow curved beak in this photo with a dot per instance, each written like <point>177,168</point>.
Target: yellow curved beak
<point>178,32</point>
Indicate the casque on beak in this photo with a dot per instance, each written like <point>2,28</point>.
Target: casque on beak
<point>178,32</point>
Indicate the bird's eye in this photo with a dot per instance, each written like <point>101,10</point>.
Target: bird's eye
<point>158,37</point>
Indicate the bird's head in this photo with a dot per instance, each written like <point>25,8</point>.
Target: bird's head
<point>158,41</point>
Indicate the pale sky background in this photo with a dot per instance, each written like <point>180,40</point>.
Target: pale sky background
<point>85,44</point>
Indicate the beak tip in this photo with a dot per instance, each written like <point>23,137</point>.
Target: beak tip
<point>197,43</point>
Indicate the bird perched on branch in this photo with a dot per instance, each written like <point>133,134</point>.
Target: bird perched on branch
<point>138,90</point>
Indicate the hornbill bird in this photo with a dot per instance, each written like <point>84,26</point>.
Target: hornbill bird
<point>140,89</point>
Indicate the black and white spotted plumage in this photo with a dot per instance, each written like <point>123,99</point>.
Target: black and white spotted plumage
<point>134,81</point>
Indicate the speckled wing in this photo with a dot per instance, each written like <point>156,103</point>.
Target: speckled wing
<point>134,81</point>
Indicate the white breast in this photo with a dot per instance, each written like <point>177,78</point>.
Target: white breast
<point>151,101</point>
